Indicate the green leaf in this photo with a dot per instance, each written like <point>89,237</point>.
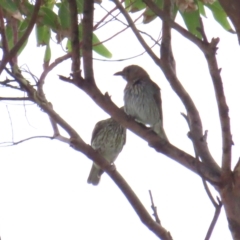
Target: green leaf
<point>49,18</point>
<point>9,36</point>
<point>192,22</point>
<point>64,15</point>
<point>149,15</point>
<point>11,8</point>
<point>8,5</point>
<point>201,9</point>
<point>69,45</point>
<point>127,4</point>
<point>220,15</point>
<point>47,55</point>
<point>100,48</point>
<point>137,5</point>
<point>80,6</point>
<point>43,35</point>
<point>21,29</point>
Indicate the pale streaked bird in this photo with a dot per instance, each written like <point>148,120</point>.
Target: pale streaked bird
<point>108,138</point>
<point>142,98</point>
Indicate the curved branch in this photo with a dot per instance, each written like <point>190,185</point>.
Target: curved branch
<point>48,69</point>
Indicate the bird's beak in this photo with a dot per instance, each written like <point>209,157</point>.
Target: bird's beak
<point>118,74</point>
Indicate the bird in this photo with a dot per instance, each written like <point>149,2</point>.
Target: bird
<point>108,138</point>
<point>142,99</point>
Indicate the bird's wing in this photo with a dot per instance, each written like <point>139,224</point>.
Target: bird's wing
<point>97,128</point>
<point>158,100</point>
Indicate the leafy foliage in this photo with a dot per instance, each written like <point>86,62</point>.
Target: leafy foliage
<point>53,19</point>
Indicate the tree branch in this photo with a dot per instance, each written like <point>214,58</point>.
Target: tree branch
<point>214,220</point>
<point>75,39</point>
<point>154,208</point>
<point>215,204</point>
<point>223,110</point>
<point>87,23</point>
<point>15,99</point>
<point>151,137</point>
<point>48,69</point>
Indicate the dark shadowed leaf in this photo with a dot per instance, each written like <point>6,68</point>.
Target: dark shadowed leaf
<point>11,7</point>
<point>137,5</point>
<point>149,15</point>
<point>49,18</point>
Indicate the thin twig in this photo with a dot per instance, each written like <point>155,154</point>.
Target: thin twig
<point>154,208</point>
<point>10,119</point>
<point>109,13</point>
<point>215,204</point>
<point>15,99</point>
<point>214,220</point>
<point>24,140</point>
<point>136,32</point>
<point>49,69</point>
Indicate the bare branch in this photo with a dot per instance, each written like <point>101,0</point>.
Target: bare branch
<point>215,204</point>
<point>154,208</point>
<point>214,220</point>
<point>155,214</point>
<point>48,69</point>
<point>222,105</point>
<point>75,39</point>
<point>87,40</point>
<point>10,119</point>
<point>15,99</point>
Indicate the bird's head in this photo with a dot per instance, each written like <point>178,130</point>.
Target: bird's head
<point>132,73</point>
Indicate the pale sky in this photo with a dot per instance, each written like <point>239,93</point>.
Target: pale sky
<point>43,183</point>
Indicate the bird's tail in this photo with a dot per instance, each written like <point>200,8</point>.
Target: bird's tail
<point>158,128</point>
<point>95,175</point>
